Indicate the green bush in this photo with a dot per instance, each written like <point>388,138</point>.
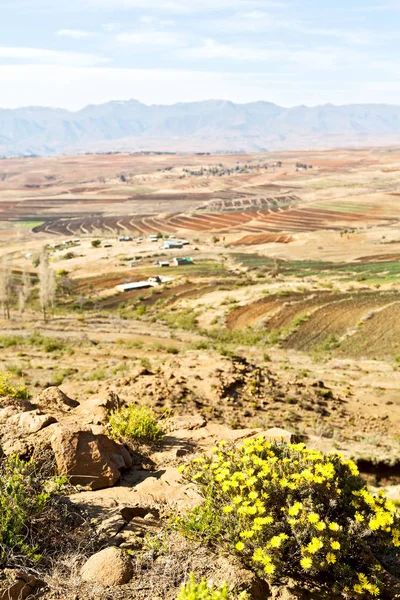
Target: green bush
<point>24,498</point>
<point>48,344</point>
<point>11,341</point>
<point>135,423</point>
<point>200,591</point>
<point>287,510</point>
<point>8,389</point>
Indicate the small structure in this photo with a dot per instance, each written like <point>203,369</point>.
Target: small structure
<point>181,262</point>
<point>107,245</point>
<point>155,279</point>
<point>125,238</point>
<point>171,245</point>
<point>163,263</point>
<point>137,285</point>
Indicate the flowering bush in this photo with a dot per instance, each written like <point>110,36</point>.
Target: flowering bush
<point>291,511</point>
<point>8,389</point>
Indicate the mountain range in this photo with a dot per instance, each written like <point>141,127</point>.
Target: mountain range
<point>209,126</point>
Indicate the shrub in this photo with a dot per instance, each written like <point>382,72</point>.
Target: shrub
<point>11,341</point>
<point>96,243</point>
<point>8,389</point>
<point>200,591</point>
<point>48,344</point>
<point>181,319</point>
<point>24,498</point>
<point>291,511</point>
<point>135,423</point>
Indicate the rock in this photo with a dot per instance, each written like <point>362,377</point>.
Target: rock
<point>110,567</point>
<point>92,461</point>
<point>110,527</point>
<point>164,488</point>
<point>18,585</point>
<point>240,579</point>
<point>52,400</point>
<point>31,422</point>
<point>96,410</point>
<point>188,422</point>
<point>16,403</point>
<point>278,434</point>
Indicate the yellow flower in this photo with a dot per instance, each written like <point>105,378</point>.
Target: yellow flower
<point>313,518</point>
<point>269,569</point>
<point>227,509</point>
<point>239,546</point>
<point>330,558</point>
<point>315,545</point>
<point>295,509</point>
<point>306,563</point>
<point>359,517</point>
<point>334,527</point>
<point>335,545</point>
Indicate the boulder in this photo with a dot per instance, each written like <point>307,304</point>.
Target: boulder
<point>17,585</point>
<point>276,434</point>
<point>96,410</point>
<point>31,422</point>
<point>92,461</point>
<point>53,401</point>
<point>110,567</point>
<point>188,422</point>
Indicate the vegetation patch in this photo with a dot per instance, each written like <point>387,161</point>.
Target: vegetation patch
<point>287,510</point>
<point>202,591</point>
<point>8,389</point>
<point>136,424</point>
<point>24,500</point>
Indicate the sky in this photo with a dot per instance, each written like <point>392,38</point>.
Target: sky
<point>71,53</point>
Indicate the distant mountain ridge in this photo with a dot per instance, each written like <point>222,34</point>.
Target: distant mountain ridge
<point>209,126</point>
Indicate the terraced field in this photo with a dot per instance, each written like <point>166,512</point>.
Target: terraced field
<point>274,220</point>
<point>355,324</point>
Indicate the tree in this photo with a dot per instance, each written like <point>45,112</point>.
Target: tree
<point>25,291</point>
<point>5,287</point>
<point>96,243</point>
<point>47,283</point>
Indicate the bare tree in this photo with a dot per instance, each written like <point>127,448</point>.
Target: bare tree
<point>25,291</point>
<point>5,287</point>
<point>47,283</point>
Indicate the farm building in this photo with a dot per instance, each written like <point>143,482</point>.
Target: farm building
<point>125,238</point>
<point>137,285</point>
<point>181,262</point>
<point>172,245</point>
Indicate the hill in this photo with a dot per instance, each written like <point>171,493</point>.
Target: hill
<point>210,126</point>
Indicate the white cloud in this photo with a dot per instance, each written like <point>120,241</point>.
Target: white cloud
<point>186,6</point>
<point>57,57</point>
<point>151,20</point>
<point>75,34</point>
<point>316,58</point>
<point>150,38</point>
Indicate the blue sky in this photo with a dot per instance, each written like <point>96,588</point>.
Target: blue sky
<point>70,53</point>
